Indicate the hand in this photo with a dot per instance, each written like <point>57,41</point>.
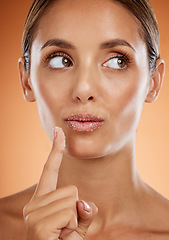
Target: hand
<point>53,213</point>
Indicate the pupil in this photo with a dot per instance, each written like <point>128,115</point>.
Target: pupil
<point>66,62</point>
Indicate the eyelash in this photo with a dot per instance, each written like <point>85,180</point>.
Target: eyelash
<point>126,57</point>
<point>56,54</point>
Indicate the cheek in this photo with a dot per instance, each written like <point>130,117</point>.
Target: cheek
<point>126,101</point>
<point>50,96</point>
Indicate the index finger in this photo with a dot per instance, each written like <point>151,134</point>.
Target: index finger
<point>49,177</point>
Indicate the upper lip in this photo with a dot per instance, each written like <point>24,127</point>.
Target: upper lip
<point>84,118</point>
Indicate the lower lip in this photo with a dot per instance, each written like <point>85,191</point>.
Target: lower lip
<point>84,126</point>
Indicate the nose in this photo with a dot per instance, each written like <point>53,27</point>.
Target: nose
<point>85,87</point>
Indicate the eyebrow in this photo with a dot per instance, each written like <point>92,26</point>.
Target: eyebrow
<point>116,42</point>
<point>109,44</point>
<point>58,43</point>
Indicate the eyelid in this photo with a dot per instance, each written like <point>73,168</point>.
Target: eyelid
<point>54,54</point>
<point>125,56</point>
<point>59,54</point>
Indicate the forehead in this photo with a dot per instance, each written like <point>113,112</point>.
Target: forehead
<point>94,20</point>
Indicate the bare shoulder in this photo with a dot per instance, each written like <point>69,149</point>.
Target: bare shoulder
<point>158,212</point>
<point>11,215</point>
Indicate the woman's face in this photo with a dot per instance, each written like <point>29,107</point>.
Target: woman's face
<point>88,58</point>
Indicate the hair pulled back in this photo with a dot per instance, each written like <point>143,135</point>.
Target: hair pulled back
<point>141,9</point>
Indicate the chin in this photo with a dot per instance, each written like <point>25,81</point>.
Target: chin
<point>82,154</point>
<point>84,149</point>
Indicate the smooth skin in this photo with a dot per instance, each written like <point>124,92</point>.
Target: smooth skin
<point>97,167</point>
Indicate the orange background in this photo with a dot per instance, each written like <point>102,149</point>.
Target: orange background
<point>24,144</point>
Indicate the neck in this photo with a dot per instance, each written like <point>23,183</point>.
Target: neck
<point>111,182</point>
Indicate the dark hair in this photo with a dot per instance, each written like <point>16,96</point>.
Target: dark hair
<point>141,9</point>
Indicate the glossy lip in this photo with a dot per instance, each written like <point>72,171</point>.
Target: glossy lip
<point>84,122</point>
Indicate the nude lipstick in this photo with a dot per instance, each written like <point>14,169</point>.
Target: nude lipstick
<point>84,122</point>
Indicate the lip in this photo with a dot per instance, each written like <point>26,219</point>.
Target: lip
<point>84,122</point>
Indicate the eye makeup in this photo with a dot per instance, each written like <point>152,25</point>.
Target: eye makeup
<point>118,62</point>
<point>59,60</point>
<point>63,58</point>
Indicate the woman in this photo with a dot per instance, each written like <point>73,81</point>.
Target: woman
<point>90,66</point>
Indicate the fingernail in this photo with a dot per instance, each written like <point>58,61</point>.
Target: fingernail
<point>86,206</point>
<point>54,133</point>
<point>58,130</point>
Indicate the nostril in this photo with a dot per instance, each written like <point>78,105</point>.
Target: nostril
<point>90,98</point>
<point>84,99</point>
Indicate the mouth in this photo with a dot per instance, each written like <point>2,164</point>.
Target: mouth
<point>84,122</point>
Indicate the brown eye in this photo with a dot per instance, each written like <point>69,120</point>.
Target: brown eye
<point>115,63</point>
<point>66,62</point>
<point>121,63</point>
<point>60,62</point>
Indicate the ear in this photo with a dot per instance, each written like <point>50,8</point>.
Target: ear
<point>25,82</point>
<point>156,81</point>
